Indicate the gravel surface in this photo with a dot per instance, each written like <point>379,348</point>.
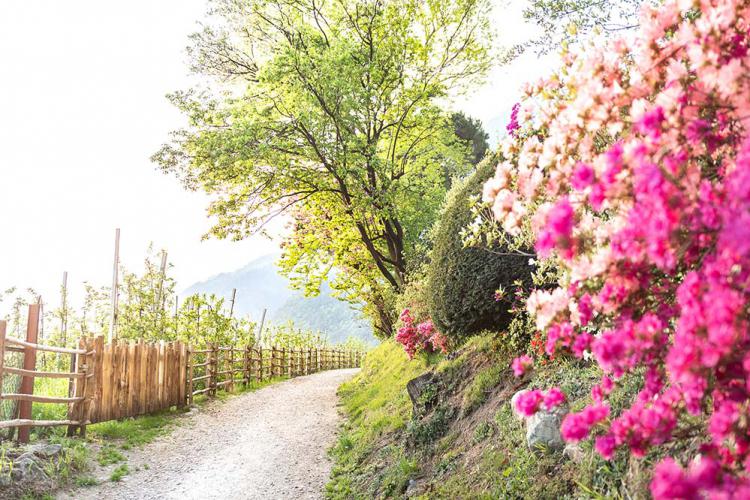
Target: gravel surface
<point>270,443</point>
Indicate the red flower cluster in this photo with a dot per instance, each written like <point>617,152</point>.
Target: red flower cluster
<point>419,337</point>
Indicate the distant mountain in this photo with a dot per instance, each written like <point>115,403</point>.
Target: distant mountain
<point>259,286</point>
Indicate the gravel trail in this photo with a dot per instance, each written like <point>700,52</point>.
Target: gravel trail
<point>266,444</point>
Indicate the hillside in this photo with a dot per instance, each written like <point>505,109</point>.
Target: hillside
<point>463,440</point>
<point>260,286</point>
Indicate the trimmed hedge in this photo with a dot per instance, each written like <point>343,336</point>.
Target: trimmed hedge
<point>462,281</point>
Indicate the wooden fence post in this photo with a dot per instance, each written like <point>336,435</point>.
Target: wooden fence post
<point>97,380</point>
<point>77,411</point>
<point>190,376</point>
<point>3,327</point>
<point>260,364</point>
<point>145,380</point>
<point>89,384</point>
<point>245,364</point>
<point>29,363</point>
<point>213,366</point>
<point>182,378</point>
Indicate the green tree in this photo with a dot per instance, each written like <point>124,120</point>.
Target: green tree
<point>562,21</point>
<point>143,302</point>
<point>329,112</point>
<point>471,130</point>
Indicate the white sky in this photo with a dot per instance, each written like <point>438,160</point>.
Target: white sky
<point>82,107</point>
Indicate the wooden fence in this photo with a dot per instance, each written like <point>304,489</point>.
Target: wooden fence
<point>219,367</point>
<point>126,379</point>
<point>82,375</point>
<point>135,378</point>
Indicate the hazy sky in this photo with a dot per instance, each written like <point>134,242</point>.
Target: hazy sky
<point>82,107</point>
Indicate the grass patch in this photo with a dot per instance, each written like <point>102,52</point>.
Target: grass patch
<point>86,481</point>
<point>481,386</point>
<point>73,459</point>
<point>120,472</point>
<point>109,455</point>
<point>135,431</point>
<point>483,431</point>
<point>428,430</point>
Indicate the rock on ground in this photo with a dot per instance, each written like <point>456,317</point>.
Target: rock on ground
<point>267,444</point>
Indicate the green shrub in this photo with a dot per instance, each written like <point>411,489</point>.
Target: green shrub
<point>462,280</point>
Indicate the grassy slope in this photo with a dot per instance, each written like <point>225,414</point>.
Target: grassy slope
<point>378,408</point>
<point>468,444</point>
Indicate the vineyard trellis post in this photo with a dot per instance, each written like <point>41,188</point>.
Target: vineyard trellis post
<point>115,285</point>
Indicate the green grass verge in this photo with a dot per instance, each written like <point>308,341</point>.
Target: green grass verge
<point>377,404</point>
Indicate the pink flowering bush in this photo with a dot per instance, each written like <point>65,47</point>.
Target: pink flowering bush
<point>529,402</point>
<point>630,168</point>
<point>419,337</point>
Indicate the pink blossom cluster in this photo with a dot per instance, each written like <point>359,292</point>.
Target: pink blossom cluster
<point>632,167</point>
<point>529,402</point>
<point>521,364</point>
<point>419,337</point>
<point>513,125</point>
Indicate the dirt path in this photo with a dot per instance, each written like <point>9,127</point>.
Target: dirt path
<point>266,444</point>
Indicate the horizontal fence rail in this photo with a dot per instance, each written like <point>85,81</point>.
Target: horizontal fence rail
<point>127,379</point>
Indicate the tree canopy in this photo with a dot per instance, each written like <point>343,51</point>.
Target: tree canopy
<point>330,113</point>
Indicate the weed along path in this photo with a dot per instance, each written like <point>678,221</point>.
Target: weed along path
<point>270,443</point>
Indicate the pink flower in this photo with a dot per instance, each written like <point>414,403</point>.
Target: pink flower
<point>558,230</point>
<point>605,446</point>
<point>576,426</point>
<point>583,176</point>
<point>513,125</point>
<point>528,402</point>
<point>553,397</point>
<point>422,337</point>
<point>651,122</point>
<point>521,364</point>
<point>671,482</point>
